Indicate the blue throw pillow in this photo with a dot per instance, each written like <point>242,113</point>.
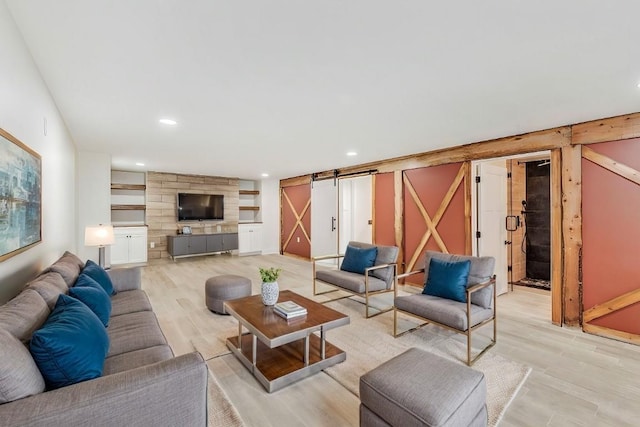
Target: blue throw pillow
<point>448,279</point>
<point>93,296</point>
<point>356,260</point>
<point>99,274</point>
<point>71,346</point>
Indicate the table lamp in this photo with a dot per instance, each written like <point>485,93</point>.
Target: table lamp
<point>99,236</point>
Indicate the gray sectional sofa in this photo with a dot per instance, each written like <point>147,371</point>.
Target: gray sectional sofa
<point>142,382</point>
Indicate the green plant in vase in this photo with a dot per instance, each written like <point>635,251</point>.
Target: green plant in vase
<point>269,288</point>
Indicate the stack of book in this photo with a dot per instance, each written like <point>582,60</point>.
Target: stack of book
<point>289,310</point>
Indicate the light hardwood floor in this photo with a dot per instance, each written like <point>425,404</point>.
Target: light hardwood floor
<point>577,379</point>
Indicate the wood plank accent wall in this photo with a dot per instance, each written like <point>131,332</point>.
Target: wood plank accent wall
<point>566,140</point>
<point>162,199</point>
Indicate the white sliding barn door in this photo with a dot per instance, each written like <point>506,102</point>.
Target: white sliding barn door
<point>324,218</point>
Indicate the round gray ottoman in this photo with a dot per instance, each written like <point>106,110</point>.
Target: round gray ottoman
<point>219,289</point>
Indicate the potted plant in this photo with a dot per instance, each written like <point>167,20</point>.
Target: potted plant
<point>269,289</point>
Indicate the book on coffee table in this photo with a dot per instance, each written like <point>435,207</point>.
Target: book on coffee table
<point>289,309</point>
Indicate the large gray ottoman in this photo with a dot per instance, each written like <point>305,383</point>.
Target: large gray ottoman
<point>219,289</point>
<point>417,388</point>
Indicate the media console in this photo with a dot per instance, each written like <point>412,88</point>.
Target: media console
<point>201,244</point>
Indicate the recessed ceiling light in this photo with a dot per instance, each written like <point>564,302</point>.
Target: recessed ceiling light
<point>638,84</point>
<point>351,153</point>
<point>139,164</point>
<point>265,175</point>
<point>168,122</point>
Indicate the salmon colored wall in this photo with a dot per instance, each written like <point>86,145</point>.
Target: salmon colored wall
<point>299,196</point>
<point>384,208</point>
<point>431,184</point>
<point>611,235</point>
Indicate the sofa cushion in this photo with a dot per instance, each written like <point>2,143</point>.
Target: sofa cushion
<point>351,281</point>
<point>480,271</point>
<point>68,266</point>
<point>134,331</point>
<point>386,255</point>
<point>19,375</point>
<point>357,260</point>
<point>130,302</point>
<point>93,296</point>
<point>135,359</point>
<point>447,279</point>
<point>49,285</point>
<point>71,346</point>
<point>23,314</point>
<point>442,310</point>
<point>100,275</point>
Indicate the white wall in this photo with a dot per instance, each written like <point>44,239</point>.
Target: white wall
<point>270,194</point>
<point>94,197</point>
<point>25,103</point>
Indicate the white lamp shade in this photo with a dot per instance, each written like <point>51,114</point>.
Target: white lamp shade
<point>100,235</point>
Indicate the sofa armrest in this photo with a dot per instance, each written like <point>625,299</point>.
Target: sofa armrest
<point>125,279</point>
<point>168,393</point>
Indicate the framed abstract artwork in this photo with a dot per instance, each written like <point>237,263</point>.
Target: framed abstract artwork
<point>20,196</point>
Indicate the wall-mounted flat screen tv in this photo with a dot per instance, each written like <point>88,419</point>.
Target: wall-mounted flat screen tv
<point>200,207</point>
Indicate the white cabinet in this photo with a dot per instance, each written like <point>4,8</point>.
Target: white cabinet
<point>249,239</point>
<point>130,245</point>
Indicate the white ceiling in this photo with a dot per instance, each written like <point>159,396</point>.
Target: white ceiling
<point>289,86</point>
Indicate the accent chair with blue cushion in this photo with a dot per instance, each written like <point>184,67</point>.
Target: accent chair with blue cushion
<point>459,295</point>
<point>365,270</point>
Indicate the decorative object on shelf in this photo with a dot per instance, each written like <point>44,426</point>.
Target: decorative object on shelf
<point>99,236</point>
<point>20,196</point>
<point>289,310</point>
<point>269,289</point>
<point>186,229</point>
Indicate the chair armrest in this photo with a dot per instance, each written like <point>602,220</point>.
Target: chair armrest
<point>323,257</point>
<point>171,392</point>
<point>379,266</point>
<point>482,285</point>
<point>411,273</point>
<point>125,279</point>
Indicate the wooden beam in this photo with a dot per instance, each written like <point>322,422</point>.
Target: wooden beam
<point>572,233</point>
<point>297,180</point>
<point>608,163</point>
<point>373,208</point>
<point>612,305</point>
<point>556,237</point>
<point>518,144</point>
<point>398,217</point>
<point>468,239</point>
<point>611,333</point>
<point>610,129</point>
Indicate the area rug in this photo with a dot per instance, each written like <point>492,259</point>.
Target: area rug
<point>369,342</point>
<point>220,411</point>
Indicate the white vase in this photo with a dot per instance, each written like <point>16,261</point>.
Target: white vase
<point>270,293</point>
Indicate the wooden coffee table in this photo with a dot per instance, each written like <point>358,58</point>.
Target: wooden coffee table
<point>278,351</point>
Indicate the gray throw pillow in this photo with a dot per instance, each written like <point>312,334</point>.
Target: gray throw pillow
<point>19,375</point>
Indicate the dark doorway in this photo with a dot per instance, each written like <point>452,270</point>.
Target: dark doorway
<point>537,216</point>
